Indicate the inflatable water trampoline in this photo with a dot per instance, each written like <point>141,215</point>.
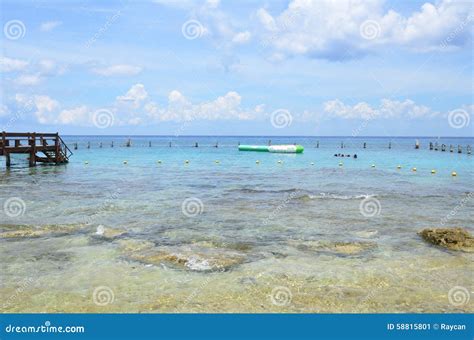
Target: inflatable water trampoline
<point>273,148</point>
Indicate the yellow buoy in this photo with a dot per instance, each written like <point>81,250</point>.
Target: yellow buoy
<point>399,166</point>
<point>433,171</point>
<point>454,174</point>
<point>414,169</point>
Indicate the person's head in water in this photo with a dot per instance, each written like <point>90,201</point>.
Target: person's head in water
<point>355,155</point>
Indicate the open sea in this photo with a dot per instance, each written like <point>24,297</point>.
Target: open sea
<point>139,229</point>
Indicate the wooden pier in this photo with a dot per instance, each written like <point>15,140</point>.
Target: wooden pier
<point>41,147</point>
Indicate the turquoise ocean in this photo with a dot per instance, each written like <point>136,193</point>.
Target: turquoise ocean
<point>160,228</point>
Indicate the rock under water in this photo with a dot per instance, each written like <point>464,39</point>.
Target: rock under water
<point>450,238</point>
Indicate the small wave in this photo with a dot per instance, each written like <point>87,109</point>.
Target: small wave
<point>266,191</point>
<point>331,196</point>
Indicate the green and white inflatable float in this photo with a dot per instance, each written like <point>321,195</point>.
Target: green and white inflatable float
<point>273,148</point>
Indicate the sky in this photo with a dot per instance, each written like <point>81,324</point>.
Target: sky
<point>299,67</point>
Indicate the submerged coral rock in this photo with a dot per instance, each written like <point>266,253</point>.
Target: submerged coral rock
<point>336,248</point>
<point>190,257</point>
<point>109,233</point>
<point>28,231</point>
<point>450,238</point>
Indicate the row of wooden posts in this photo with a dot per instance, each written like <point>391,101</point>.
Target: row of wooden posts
<point>433,146</point>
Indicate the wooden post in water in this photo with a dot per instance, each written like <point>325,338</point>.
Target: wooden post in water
<point>75,146</point>
<point>32,144</point>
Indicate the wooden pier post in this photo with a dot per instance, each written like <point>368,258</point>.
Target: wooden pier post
<point>32,144</point>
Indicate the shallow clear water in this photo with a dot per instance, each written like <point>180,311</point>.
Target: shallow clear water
<point>284,235</point>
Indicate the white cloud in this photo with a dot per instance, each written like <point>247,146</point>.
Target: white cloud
<point>4,111</point>
<point>28,80</point>
<point>387,109</point>
<point>241,37</point>
<point>11,65</point>
<point>346,29</point>
<point>48,26</point>
<point>117,70</point>
<point>179,108</point>
<point>134,97</point>
<point>76,116</point>
<point>45,109</point>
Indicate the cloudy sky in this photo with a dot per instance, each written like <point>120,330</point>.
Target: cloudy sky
<point>299,67</point>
